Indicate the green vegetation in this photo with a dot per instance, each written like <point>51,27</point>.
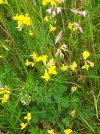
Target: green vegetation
<point>49,66</point>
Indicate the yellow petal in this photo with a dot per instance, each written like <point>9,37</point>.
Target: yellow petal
<point>23,125</point>
<point>85,54</point>
<point>86,66</point>
<point>73,66</point>
<point>28,116</point>
<point>52,28</point>
<point>64,68</point>
<point>46,18</point>
<point>67,131</point>
<point>27,63</point>
<point>52,70</point>
<point>46,76</point>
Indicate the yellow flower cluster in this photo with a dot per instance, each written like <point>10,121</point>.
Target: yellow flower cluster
<point>22,20</point>
<point>74,65</point>
<point>28,117</point>
<point>3,1</point>
<point>50,65</point>
<point>88,63</point>
<point>5,92</point>
<point>36,58</point>
<point>49,71</point>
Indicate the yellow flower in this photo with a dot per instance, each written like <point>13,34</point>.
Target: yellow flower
<point>86,66</point>
<point>34,56</point>
<point>85,54</point>
<point>42,58</point>
<point>3,1</point>
<point>5,91</point>
<point>23,125</point>
<point>5,98</point>
<point>2,91</point>
<point>73,89</point>
<point>52,2</point>
<point>71,26</point>
<point>45,2</point>
<point>52,70</point>
<point>46,76</point>
<point>28,117</point>
<point>73,113</point>
<point>67,131</point>
<point>73,66</point>
<point>30,33</point>
<point>64,68</point>
<point>51,28</point>
<point>51,131</point>
<point>22,20</point>
<point>27,63</point>
<point>46,18</point>
<point>88,63</point>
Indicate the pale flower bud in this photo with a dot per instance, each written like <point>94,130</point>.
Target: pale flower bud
<point>82,13</point>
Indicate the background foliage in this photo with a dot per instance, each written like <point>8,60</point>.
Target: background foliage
<point>51,103</point>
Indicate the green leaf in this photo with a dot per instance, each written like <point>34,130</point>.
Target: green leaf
<point>35,119</point>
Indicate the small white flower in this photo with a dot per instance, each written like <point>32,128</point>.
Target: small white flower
<point>53,11</point>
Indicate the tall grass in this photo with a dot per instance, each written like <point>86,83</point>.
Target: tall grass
<point>51,102</point>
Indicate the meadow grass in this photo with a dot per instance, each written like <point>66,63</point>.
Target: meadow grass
<point>56,98</point>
